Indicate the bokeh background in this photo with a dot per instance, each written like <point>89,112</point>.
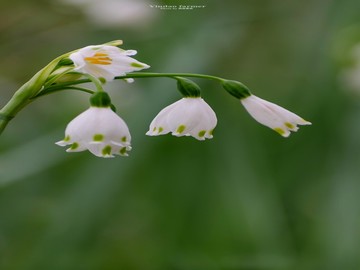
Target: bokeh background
<point>247,199</point>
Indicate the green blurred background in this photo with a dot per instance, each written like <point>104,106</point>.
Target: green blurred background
<point>247,199</point>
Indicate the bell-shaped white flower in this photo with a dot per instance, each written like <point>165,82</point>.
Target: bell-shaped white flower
<point>99,130</point>
<point>105,61</point>
<point>189,116</point>
<point>272,115</point>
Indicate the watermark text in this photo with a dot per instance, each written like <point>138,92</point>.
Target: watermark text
<point>178,7</point>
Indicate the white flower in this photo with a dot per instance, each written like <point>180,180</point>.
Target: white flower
<point>187,117</point>
<point>272,115</point>
<point>105,61</point>
<point>99,130</point>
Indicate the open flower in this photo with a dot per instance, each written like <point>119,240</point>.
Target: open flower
<point>190,116</point>
<point>272,115</point>
<point>105,61</point>
<point>99,130</point>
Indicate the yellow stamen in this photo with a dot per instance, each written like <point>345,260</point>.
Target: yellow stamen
<point>99,59</point>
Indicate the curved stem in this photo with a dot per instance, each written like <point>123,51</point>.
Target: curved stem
<point>97,82</point>
<point>142,75</point>
<point>32,89</point>
<point>169,75</point>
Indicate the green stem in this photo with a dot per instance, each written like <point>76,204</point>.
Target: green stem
<point>24,95</point>
<point>169,75</point>
<point>36,88</point>
<point>97,83</point>
<point>53,90</point>
<point>66,85</point>
<point>139,75</point>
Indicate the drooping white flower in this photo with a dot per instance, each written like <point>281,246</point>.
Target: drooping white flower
<point>105,61</point>
<point>189,116</point>
<point>272,115</point>
<point>99,130</point>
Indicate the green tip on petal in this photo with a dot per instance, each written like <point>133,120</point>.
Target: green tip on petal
<point>98,138</point>
<point>114,43</point>
<point>137,65</point>
<point>74,146</point>
<point>202,133</point>
<point>106,151</point>
<point>123,151</point>
<point>289,125</point>
<point>181,129</point>
<point>67,138</point>
<point>280,131</point>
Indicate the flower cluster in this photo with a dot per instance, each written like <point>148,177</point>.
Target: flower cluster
<point>101,131</point>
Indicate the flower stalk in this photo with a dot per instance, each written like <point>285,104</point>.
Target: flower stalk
<point>25,94</point>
